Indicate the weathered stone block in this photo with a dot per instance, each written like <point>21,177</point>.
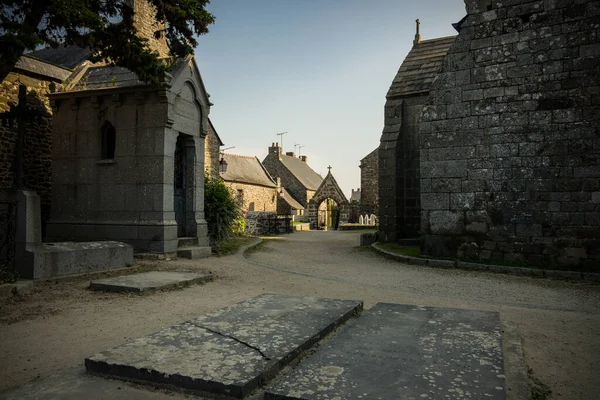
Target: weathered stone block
<point>446,222</point>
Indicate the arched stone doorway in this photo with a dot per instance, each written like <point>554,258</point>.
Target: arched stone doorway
<point>329,192</point>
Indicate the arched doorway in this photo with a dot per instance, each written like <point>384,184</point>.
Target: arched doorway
<point>329,208</point>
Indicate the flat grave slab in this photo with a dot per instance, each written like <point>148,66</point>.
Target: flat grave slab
<point>404,352</point>
<point>230,352</point>
<point>149,281</point>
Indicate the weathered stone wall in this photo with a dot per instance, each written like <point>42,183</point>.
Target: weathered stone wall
<point>510,142</point>
<point>399,185</point>
<point>263,223</point>
<point>37,165</point>
<point>288,180</point>
<point>254,197</point>
<point>145,23</point>
<point>211,153</point>
<point>369,178</point>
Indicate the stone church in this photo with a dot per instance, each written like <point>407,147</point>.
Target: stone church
<point>508,140</point>
<point>128,157</point>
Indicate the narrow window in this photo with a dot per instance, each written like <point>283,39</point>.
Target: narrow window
<point>108,140</point>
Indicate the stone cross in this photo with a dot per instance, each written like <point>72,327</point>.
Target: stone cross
<point>418,34</point>
<point>20,113</point>
<point>329,168</point>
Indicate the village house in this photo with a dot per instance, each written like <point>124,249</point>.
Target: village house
<point>250,183</point>
<point>212,152</point>
<point>297,177</point>
<point>369,182</point>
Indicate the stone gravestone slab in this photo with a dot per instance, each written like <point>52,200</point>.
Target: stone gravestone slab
<point>404,352</point>
<point>149,281</point>
<point>230,352</point>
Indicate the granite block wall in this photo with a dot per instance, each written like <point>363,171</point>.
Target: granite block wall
<point>254,197</point>
<point>510,138</point>
<point>37,166</point>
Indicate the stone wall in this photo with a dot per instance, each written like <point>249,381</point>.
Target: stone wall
<point>145,23</point>
<point>254,197</point>
<point>267,223</point>
<point>369,178</point>
<point>37,166</point>
<point>510,140</point>
<point>211,153</point>
<point>399,185</point>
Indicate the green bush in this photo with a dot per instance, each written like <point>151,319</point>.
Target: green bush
<point>220,211</point>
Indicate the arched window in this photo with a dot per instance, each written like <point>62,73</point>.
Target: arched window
<point>108,140</point>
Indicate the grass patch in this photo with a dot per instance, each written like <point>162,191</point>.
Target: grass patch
<point>262,246</point>
<point>411,251</point>
<point>299,223</point>
<point>230,245</point>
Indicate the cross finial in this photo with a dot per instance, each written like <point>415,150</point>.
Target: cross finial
<point>418,34</point>
<point>329,168</point>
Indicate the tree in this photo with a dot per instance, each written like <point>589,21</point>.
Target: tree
<point>103,26</point>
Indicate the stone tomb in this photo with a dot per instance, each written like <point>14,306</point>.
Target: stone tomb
<point>230,352</point>
<point>404,352</point>
<point>149,281</point>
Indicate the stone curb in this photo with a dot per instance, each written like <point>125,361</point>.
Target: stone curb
<point>241,252</point>
<point>515,368</point>
<point>519,271</point>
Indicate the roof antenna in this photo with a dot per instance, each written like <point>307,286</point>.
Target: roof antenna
<point>417,35</point>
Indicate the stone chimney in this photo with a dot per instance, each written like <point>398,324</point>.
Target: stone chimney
<point>303,158</point>
<point>290,153</point>
<point>275,149</point>
<point>147,27</point>
<point>418,34</point>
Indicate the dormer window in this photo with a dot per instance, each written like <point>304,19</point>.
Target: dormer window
<point>108,141</point>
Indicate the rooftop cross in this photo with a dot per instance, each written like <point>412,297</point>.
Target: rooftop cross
<point>329,168</point>
<point>418,34</point>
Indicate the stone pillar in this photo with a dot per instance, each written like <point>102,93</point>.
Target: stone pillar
<point>29,231</point>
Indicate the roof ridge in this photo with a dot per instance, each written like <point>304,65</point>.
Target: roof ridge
<point>440,38</point>
<point>239,155</point>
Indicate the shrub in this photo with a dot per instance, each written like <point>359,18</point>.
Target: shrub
<point>220,210</point>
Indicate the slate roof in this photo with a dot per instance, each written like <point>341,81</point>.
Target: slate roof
<point>104,76</point>
<point>63,56</point>
<point>38,67</point>
<point>246,169</point>
<point>305,174</point>
<point>420,67</point>
<point>288,198</point>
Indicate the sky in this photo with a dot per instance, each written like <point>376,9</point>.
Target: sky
<point>317,69</point>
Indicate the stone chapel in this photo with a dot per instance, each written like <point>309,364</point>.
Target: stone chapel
<point>128,157</point>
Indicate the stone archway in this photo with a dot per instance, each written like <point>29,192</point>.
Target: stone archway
<point>329,189</point>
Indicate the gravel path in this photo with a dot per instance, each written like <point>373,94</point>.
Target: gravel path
<point>61,323</point>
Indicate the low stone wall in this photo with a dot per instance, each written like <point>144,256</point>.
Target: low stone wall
<point>267,223</point>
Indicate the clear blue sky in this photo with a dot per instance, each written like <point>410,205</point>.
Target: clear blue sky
<point>319,69</point>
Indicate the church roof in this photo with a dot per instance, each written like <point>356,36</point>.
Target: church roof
<point>300,169</point>
<point>420,67</point>
<point>246,169</point>
<point>63,56</point>
<point>38,67</point>
<point>288,198</point>
<point>104,76</point>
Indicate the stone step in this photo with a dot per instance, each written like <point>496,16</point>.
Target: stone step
<point>194,252</point>
<point>149,281</point>
<point>187,241</point>
<point>399,351</point>
<point>231,352</point>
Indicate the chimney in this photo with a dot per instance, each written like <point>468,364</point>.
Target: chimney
<point>418,34</point>
<point>303,158</point>
<point>275,149</point>
<point>290,153</point>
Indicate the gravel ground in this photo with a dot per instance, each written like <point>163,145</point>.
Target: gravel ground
<point>60,323</point>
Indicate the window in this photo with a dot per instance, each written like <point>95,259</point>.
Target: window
<point>108,140</point>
